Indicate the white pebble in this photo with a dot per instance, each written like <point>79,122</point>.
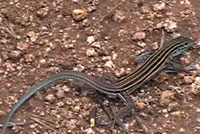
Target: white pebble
<point>109,64</point>
<point>90,39</point>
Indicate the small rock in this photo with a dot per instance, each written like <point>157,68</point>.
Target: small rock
<point>166,97</point>
<point>91,52</point>
<point>197,80</point>
<point>60,94</point>
<point>169,25</point>
<point>15,54</point>
<point>141,105</point>
<point>50,98</point>
<point>32,35</point>
<point>122,32</point>
<point>42,61</point>
<point>29,57</point>
<point>22,46</point>
<point>75,1</point>
<point>188,79</point>
<point>165,111</point>
<point>79,68</point>
<point>181,130</point>
<point>60,104</point>
<point>77,108</point>
<point>120,72</point>
<point>91,8</point>
<point>86,23</point>
<point>198,110</point>
<point>90,39</point>
<point>43,12</point>
<point>159,7</point>
<point>96,44</point>
<point>195,89</point>
<point>155,45</point>
<point>172,106</point>
<point>2,113</point>
<point>139,36</point>
<point>89,131</point>
<point>161,77</point>
<point>65,88</point>
<point>198,120</point>
<point>141,44</point>
<point>11,67</point>
<point>109,64</point>
<point>79,14</point>
<point>177,113</point>
<point>145,9</point>
<point>119,16</point>
<point>32,126</point>
<point>69,46</point>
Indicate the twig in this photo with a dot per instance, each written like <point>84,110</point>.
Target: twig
<point>12,124</point>
<point>162,40</point>
<point>42,121</point>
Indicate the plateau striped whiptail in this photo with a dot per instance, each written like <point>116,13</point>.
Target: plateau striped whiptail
<point>125,85</point>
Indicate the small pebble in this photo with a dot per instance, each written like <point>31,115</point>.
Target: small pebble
<point>91,52</point>
<point>119,16</point>
<point>195,88</point>
<point>141,105</point>
<point>60,94</point>
<point>120,72</point>
<point>122,32</point>
<point>198,120</point>
<point>50,98</point>
<point>60,104</point>
<point>139,36</point>
<point>2,113</point>
<point>161,77</point>
<point>15,54</point>
<point>188,79</point>
<point>22,46</point>
<point>159,7</point>
<point>79,68</point>
<point>43,12</point>
<point>109,64</point>
<point>90,39</point>
<point>169,25</point>
<point>141,44</point>
<point>89,131</point>
<point>29,57</point>
<point>32,35</point>
<point>166,97</point>
<point>79,14</point>
<point>96,44</point>
<point>181,130</point>
<point>42,61</point>
<point>65,88</point>
<point>177,113</point>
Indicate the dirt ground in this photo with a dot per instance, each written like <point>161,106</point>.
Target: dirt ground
<point>41,37</point>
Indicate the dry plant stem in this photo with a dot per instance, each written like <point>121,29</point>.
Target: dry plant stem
<point>162,40</point>
<point>12,124</point>
<point>42,121</point>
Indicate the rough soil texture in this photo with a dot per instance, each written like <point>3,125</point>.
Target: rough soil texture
<point>41,37</point>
